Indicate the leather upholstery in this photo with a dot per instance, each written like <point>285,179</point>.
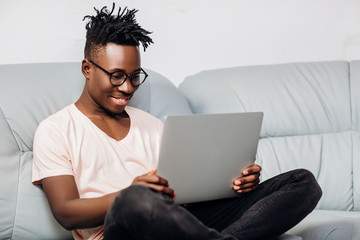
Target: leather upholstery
<point>311,120</point>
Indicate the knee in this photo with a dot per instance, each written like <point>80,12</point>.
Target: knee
<point>135,201</point>
<point>130,211</point>
<point>313,188</point>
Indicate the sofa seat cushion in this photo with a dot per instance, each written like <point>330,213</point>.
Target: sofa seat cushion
<point>329,225</point>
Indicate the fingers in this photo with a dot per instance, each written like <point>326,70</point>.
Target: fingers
<point>169,192</point>
<point>249,181</point>
<point>246,187</point>
<point>155,182</point>
<point>254,168</point>
<point>151,179</point>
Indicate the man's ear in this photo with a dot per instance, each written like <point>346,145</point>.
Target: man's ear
<point>85,68</point>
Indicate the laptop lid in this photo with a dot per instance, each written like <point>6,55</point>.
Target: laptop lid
<point>201,155</point>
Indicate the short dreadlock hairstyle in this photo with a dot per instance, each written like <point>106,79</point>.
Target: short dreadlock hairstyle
<point>122,29</point>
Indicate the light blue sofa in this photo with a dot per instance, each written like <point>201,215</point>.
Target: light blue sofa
<point>311,120</point>
<point>312,115</point>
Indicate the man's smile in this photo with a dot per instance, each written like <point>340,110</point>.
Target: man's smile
<point>121,99</point>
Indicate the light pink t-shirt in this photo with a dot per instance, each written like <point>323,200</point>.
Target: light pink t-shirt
<point>68,143</point>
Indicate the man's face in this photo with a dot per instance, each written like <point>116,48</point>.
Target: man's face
<point>112,58</point>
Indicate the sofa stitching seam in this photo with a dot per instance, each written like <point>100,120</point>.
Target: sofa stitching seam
<point>352,140</point>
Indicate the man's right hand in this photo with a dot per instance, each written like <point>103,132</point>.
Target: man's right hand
<point>155,182</point>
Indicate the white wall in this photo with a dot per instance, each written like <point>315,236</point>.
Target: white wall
<point>190,35</point>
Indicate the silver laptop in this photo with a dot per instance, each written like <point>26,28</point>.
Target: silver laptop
<point>201,155</point>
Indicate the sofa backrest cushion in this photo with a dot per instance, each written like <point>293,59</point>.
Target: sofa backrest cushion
<point>28,94</point>
<point>355,114</point>
<point>307,118</point>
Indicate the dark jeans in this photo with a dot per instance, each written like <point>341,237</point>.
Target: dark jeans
<point>275,206</point>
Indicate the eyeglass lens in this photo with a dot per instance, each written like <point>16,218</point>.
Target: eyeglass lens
<point>120,77</point>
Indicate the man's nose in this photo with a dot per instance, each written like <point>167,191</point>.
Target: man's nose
<point>126,87</point>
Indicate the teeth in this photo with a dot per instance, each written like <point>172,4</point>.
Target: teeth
<point>122,99</point>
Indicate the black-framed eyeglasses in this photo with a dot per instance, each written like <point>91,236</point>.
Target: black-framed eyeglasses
<point>118,77</point>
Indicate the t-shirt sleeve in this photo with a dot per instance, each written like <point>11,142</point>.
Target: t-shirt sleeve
<point>51,153</point>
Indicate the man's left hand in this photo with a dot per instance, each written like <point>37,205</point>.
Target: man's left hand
<point>249,181</point>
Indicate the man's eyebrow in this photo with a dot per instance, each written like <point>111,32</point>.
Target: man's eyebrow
<point>113,70</point>
<point>137,70</point>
